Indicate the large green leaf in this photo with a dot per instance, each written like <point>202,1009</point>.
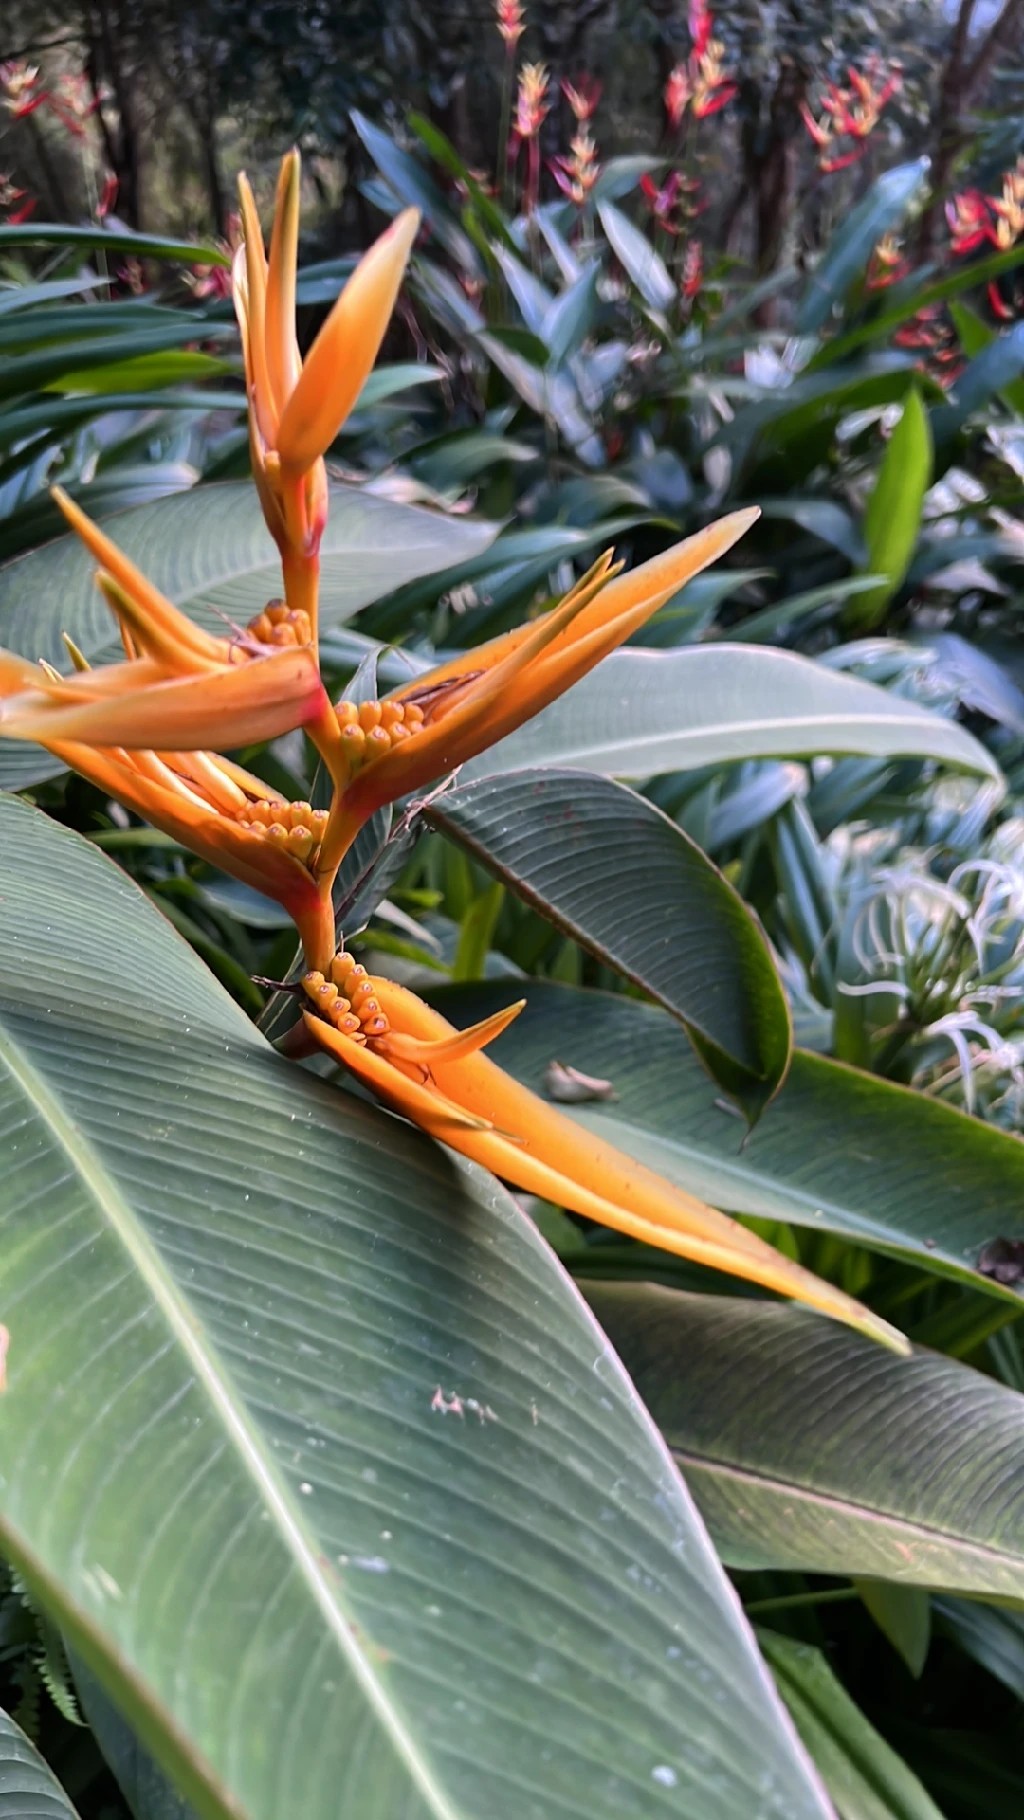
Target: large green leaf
<point>639,714</point>
<point>863,1774</point>
<point>210,552</point>
<point>892,519</point>
<point>807,1448</point>
<point>357,1510</point>
<point>614,872</point>
<point>638,257</point>
<point>838,1150</point>
<point>28,1789</point>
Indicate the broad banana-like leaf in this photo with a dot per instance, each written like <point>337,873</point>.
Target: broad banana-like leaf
<point>28,1788</point>
<point>805,1449</point>
<point>308,1442</point>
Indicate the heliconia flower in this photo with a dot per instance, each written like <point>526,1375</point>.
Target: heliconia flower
<point>9,195</point>
<point>296,407</point>
<point>670,202</point>
<point>1008,208</point>
<point>108,196</point>
<point>225,816</point>
<point>424,730</point>
<point>701,26</point>
<point>511,22</point>
<point>74,102</point>
<point>577,174</point>
<point>677,95</point>
<point>19,85</point>
<point>870,91</point>
<point>532,104</point>
<point>712,89</point>
<point>969,220</point>
<point>887,265</point>
<point>583,96</point>
<point>693,270</point>
<point>851,113</point>
<point>180,687</point>
<point>412,1060</point>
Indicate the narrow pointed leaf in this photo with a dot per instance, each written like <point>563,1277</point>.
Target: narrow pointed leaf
<point>892,520</point>
<point>358,1510</point>
<point>28,1788</point>
<point>863,1774</point>
<point>615,874</point>
<point>838,1150</point>
<point>636,254</point>
<point>807,1448</point>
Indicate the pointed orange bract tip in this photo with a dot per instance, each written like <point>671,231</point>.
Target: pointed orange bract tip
<point>139,705</point>
<point>158,626</point>
<point>283,360</point>
<point>339,362</point>
<point>463,1099</point>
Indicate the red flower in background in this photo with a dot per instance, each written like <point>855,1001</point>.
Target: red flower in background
<point>886,265</point>
<point>577,174</point>
<point>693,270</point>
<point>671,203</point>
<point>511,23</point>
<point>582,96</point>
<point>850,113</point>
<point>976,219</point>
<point>19,83</point>
<point>702,82</point>
<point>9,196</point>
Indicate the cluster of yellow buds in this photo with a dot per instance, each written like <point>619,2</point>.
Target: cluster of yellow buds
<point>368,729</point>
<point>296,828</point>
<point>347,998</point>
<point>281,625</point>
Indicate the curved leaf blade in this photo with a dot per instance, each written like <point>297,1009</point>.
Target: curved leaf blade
<point>804,1449</point>
<point>332,1427</point>
<point>615,873</point>
<point>885,204</point>
<point>892,520</point>
<point>28,1788</point>
<point>911,1177</point>
<point>641,713</point>
<point>638,257</point>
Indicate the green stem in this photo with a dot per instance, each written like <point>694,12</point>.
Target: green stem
<point>838,1595</point>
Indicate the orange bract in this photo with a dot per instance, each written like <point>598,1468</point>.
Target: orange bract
<point>464,706</point>
<point>438,1078</point>
<point>179,687</point>
<point>296,407</point>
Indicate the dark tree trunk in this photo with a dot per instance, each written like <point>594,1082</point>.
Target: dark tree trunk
<point>963,78</point>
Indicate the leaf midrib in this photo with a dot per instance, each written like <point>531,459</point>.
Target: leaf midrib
<point>111,1203</point>
<point>686,1459</point>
